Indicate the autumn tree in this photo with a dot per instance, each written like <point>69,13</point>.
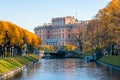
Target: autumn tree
<point>110,19</point>
<point>103,31</point>
<point>13,39</point>
<point>78,34</point>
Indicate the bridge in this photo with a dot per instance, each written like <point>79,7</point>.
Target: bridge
<point>55,54</point>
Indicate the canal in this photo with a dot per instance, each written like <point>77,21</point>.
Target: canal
<point>67,69</point>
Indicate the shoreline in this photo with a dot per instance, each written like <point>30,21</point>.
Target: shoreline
<point>108,65</point>
<point>101,62</point>
<point>11,73</point>
<point>110,61</point>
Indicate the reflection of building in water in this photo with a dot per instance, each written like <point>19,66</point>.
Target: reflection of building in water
<point>70,66</point>
<point>59,32</point>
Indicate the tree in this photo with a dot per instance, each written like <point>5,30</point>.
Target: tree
<point>103,31</point>
<point>13,38</point>
<point>78,35</point>
<point>110,19</point>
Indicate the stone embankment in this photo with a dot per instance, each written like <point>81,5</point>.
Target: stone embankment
<point>108,65</point>
<point>20,62</point>
<point>11,73</point>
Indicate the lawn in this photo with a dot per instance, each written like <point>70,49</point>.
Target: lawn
<point>113,60</point>
<point>12,63</point>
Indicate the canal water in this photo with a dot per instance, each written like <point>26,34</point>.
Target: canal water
<point>67,69</point>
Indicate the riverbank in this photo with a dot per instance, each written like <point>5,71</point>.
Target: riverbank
<point>10,66</point>
<point>81,56</point>
<point>110,61</point>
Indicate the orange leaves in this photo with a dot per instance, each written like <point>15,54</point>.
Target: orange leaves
<point>107,30</point>
<point>47,47</point>
<point>69,47</point>
<point>32,39</point>
<point>17,35</point>
<point>115,3</point>
<point>1,39</point>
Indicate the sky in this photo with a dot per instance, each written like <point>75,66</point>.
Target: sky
<point>29,14</point>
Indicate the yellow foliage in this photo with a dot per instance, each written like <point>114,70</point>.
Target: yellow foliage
<point>69,47</point>
<point>17,35</point>
<point>47,47</point>
<point>104,30</point>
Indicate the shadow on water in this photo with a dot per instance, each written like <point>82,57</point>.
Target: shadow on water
<point>67,69</point>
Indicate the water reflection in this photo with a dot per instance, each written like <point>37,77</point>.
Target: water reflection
<point>67,69</point>
<point>32,69</point>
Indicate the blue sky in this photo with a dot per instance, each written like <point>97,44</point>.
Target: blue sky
<point>31,13</point>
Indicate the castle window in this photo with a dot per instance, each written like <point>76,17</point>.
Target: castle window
<point>68,30</point>
<point>68,36</point>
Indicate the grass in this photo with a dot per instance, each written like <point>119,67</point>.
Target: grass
<point>112,60</point>
<point>12,63</point>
